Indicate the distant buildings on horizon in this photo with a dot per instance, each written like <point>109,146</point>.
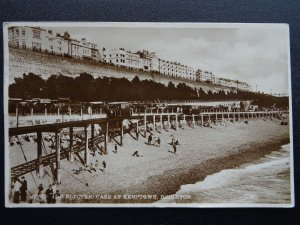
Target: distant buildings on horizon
<point>45,40</point>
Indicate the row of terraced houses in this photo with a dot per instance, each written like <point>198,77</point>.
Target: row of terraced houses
<point>47,41</point>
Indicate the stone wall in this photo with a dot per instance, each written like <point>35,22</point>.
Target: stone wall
<point>25,61</point>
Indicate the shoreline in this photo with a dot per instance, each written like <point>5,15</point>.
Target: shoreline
<point>202,152</point>
<point>174,179</point>
<point>170,180</point>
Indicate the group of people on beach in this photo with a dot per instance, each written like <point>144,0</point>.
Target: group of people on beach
<point>51,195</point>
<point>157,141</point>
<point>20,189</point>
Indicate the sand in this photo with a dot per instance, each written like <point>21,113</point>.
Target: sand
<point>202,151</point>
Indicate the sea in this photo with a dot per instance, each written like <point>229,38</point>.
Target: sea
<point>264,181</point>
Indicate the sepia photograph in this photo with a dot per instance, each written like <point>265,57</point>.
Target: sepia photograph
<point>109,114</point>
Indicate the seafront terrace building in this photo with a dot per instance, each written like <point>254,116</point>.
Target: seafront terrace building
<point>44,40</point>
<point>207,76</point>
<point>233,84</point>
<point>177,70</point>
<point>83,49</point>
<point>122,58</point>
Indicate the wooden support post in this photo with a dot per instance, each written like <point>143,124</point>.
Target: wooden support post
<point>81,114</point>
<point>223,117</point>
<point>105,138</point>
<point>92,137</point>
<point>202,122</point>
<point>183,120</point>
<point>154,122</point>
<point>71,145</point>
<point>161,122</point>
<point>58,111</point>
<point>228,116</point>
<point>57,146</point>
<point>122,134</point>
<point>239,113</point>
<point>137,130</point>
<point>86,147</point>
<point>70,111</point>
<point>45,111</point>
<point>145,124</point>
<point>31,112</point>
<point>216,117</point>
<point>176,121</point>
<point>209,117</point>
<point>169,124</point>
<point>17,116</point>
<point>40,168</point>
<point>193,118</point>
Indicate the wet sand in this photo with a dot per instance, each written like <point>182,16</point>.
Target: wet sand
<point>202,152</point>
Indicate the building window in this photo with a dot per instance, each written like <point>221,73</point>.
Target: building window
<point>36,45</point>
<point>36,34</point>
<point>116,60</point>
<point>23,32</point>
<point>23,44</point>
<point>17,32</point>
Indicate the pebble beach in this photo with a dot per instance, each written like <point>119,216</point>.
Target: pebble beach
<point>158,171</point>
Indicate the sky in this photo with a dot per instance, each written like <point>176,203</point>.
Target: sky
<point>257,55</point>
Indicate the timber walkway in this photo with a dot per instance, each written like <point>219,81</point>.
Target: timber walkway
<point>112,128</point>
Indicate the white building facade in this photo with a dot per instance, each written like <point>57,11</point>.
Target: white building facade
<point>176,70</point>
<point>44,40</point>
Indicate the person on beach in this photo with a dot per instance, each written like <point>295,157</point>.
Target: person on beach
<point>157,142</point>
<point>136,154</point>
<point>175,143</point>
<point>116,148</point>
<point>57,197</point>
<point>23,189</point>
<point>17,186</point>
<point>40,189</point>
<point>40,193</point>
<point>49,194</point>
<point>101,150</point>
<point>174,148</point>
<point>54,187</point>
<point>104,166</point>
<point>96,164</point>
<point>172,140</point>
<point>92,168</point>
<point>149,139</point>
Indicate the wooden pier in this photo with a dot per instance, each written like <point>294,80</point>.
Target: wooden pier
<point>141,123</point>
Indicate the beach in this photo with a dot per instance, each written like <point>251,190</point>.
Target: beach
<point>158,171</point>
